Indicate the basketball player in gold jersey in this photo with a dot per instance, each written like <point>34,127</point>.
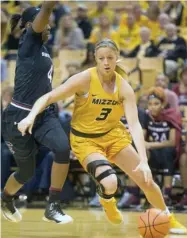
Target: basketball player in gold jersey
<point>98,138</point>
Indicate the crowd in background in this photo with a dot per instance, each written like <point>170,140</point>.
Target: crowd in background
<point>140,29</point>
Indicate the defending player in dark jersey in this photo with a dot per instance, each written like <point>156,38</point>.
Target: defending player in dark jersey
<point>33,77</point>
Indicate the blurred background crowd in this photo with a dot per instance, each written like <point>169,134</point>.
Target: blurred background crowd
<point>152,38</point>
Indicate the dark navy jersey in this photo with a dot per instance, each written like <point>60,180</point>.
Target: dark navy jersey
<point>34,68</point>
<point>157,131</point>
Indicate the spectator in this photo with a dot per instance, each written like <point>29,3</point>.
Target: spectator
<point>59,11</point>
<point>104,30</point>
<point>83,21</point>
<point>181,89</point>
<point>129,35</point>
<point>163,20</point>
<point>162,135</point>
<point>178,12</point>
<point>146,48</point>
<point>141,20</point>
<point>101,9</point>
<point>12,43</point>
<point>153,13</point>
<point>68,35</point>
<point>90,57</point>
<point>3,70</point>
<point>6,97</point>
<point>171,98</point>
<point>172,48</point>
<point>142,102</point>
<point>183,170</point>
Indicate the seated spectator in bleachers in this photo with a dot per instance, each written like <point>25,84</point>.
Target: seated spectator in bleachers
<point>146,48</point>
<point>153,24</point>
<point>163,20</point>
<point>177,10</point>
<point>181,90</point>
<point>68,35</point>
<point>162,135</point>
<point>90,57</point>
<point>82,20</point>
<point>12,42</point>
<point>104,30</point>
<point>59,11</point>
<point>172,48</point>
<point>3,70</point>
<point>101,9</point>
<point>183,170</point>
<point>141,20</point>
<point>129,34</point>
<point>171,97</point>
<point>142,102</point>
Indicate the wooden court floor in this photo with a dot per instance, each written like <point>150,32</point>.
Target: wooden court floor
<point>87,224</point>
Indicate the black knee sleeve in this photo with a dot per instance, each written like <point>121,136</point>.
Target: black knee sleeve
<point>91,167</point>
<point>62,154</point>
<point>26,169</point>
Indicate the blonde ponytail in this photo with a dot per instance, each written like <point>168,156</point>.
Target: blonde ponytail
<point>121,69</point>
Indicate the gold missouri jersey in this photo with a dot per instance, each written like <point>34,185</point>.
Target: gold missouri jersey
<point>100,111</point>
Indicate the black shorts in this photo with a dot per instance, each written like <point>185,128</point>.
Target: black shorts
<point>47,131</point>
<point>162,160</point>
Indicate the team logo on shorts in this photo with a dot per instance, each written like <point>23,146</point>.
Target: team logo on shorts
<point>10,146</point>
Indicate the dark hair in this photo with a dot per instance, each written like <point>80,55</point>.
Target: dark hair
<point>157,92</point>
<point>14,21</point>
<point>28,15</point>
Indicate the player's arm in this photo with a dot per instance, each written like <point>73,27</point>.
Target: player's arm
<point>77,84</point>
<point>171,142</point>
<point>42,18</point>
<point>129,102</point>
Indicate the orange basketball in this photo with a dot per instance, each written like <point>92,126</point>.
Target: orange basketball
<point>153,223</point>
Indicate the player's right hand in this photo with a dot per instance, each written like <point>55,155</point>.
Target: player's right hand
<point>26,125</point>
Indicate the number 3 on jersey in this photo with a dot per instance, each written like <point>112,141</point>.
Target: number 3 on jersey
<point>50,74</point>
<point>104,114</point>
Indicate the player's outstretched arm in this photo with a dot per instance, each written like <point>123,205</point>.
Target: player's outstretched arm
<point>78,83</point>
<point>42,18</point>
<point>129,102</point>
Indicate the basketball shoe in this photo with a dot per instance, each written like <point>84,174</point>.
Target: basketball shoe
<point>53,213</point>
<point>111,211</point>
<point>175,226</point>
<point>9,211</point>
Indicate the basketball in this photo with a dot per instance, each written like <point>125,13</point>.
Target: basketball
<point>154,223</point>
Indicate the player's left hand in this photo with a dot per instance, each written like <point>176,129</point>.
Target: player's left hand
<point>144,168</point>
<point>26,125</point>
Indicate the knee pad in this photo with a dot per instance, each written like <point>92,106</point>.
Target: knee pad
<point>62,155</point>
<point>24,174</point>
<point>26,166</point>
<point>91,167</point>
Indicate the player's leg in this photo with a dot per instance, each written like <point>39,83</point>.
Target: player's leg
<point>107,183</point>
<point>25,160</point>
<point>51,135</point>
<point>127,160</point>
